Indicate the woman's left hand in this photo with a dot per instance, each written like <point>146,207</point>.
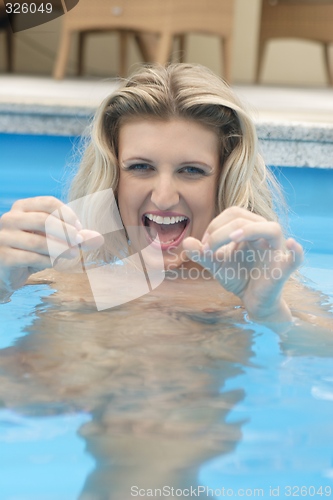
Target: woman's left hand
<point>249,257</point>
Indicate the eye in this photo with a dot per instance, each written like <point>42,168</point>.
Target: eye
<point>193,171</point>
<point>138,167</point>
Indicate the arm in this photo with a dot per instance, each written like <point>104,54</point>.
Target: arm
<point>312,329</point>
<point>249,257</point>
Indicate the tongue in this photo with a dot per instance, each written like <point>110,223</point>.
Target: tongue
<point>167,233</point>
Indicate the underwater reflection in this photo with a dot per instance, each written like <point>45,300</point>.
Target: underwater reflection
<point>150,372</point>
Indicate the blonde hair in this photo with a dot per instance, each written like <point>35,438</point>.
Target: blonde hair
<point>190,92</point>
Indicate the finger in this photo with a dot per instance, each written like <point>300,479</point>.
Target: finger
<point>91,239</point>
<point>57,228</point>
<point>87,240</point>
<point>22,259</point>
<point>193,248</point>
<point>47,204</point>
<point>35,243</point>
<point>61,222</point>
<point>192,244</point>
<point>42,223</point>
<point>195,251</point>
<point>230,214</point>
<point>221,236</point>
<point>295,254</point>
<point>269,231</point>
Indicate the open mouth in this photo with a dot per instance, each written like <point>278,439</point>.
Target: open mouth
<point>170,230</point>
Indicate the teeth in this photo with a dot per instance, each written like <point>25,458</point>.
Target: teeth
<point>165,220</point>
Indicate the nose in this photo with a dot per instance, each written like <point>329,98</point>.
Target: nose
<point>165,194</point>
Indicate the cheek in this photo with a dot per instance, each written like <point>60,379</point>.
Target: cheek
<point>204,204</point>
<point>123,201</point>
<point>129,201</point>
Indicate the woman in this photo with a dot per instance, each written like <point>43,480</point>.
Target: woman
<point>181,156</point>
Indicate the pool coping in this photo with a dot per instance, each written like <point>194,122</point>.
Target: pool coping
<point>282,142</point>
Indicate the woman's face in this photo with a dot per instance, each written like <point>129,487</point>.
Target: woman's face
<point>168,182</point>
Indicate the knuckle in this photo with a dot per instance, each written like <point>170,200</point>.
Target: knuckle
<point>17,205</point>
<point>3,238</point>
<point>234,211</point>
<point>6,219</point>
<point>239,223</point>
<point>276,228</point>
<point>261,218</point>
<point>40,219</point>
<point>31,242</point>
<point>14,219</point>
<point>51,202</point>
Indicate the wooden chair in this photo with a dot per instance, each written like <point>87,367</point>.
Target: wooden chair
<point>306,19</point>
<point>211,17</point>
<point>165,19</point>
<point>145,46</point>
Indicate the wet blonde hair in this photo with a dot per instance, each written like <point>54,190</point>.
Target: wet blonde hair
<point>190,92</point>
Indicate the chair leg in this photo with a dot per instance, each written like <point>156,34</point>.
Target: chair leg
<point>81,52</point>
<point>63,54</point>
<point>182,48</point>
<point>260,57</point>
<point>10,50</point>
<point>327,63</point>
<point>147,43</point>
<point>227,58</point>
<point>123,45</point>
<point>164,49</point>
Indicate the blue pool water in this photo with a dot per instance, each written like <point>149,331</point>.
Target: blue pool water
<point>287,410</point>
<point>39,451</point>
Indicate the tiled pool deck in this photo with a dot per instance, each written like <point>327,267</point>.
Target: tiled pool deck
<point>295,125</point>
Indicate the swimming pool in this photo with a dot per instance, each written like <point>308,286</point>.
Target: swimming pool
<point>251,418</point>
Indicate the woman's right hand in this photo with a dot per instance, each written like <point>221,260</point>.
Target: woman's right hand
<point>23,240</point>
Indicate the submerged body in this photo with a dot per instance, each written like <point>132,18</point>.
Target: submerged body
<point>150,372</point>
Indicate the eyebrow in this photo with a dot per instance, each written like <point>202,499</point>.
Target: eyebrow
<point>138,158</point>
<point>195,162</point>
<point>190,162</point>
